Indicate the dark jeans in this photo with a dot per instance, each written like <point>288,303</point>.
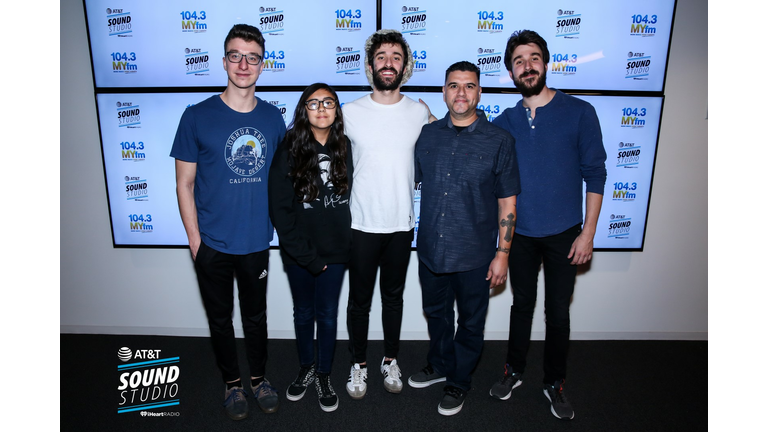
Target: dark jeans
<point>391,252</point>
<point>525,258</point>
<point>215,276</point>
<point>316,298</point>
<point>455,356</point>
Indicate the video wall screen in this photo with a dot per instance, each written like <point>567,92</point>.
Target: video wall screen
<point>170,43</point>
<point>593,45</point>
<point>152,60</point>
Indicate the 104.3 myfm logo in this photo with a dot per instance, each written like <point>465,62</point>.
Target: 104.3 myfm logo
<point>349,20</point>
<point>124,62</point>
<point>193,21</point>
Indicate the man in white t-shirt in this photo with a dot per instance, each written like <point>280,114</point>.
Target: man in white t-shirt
<point>383,127</point>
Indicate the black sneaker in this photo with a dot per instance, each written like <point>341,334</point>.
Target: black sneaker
<point>502,389</point>
<point>325,394</point>
<point>425,378</point>
<point>299,386</point>
<point>452,401</point>
<point>266,397</point>
<point>561,408</point>
<point>235,404</point>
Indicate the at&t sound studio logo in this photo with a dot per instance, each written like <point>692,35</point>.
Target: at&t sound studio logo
<point>348,61</point>
<point>628,155</point>
<point>413,21</point>
<point>128,115</point>
<point>196,62</point>
<point>619,227</point>
<point>136,189</point>
<point>147,383</point>
<point>568,24</point>
<point>271,21</point>
<point>119,23</point>
<point>638,66</point>
<point>489,61</point>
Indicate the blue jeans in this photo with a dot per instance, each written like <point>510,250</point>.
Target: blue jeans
<point>525,258</point>
<point>455,356</point>
<point>316,298</point>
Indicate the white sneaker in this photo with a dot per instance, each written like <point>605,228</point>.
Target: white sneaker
<point>391,372</point>
<point>356,385</point>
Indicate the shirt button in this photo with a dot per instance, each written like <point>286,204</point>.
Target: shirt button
<point>442,214</point>
<point>533,127</point>
<point>446,193</point>
<point>449,174</point>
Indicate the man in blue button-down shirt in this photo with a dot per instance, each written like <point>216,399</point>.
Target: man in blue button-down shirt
<point>469,185</point>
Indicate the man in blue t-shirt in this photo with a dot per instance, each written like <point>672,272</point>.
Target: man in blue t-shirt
<point>223,149</point>
<point>559,148</point>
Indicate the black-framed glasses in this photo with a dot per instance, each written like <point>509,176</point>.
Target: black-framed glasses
<point>314,104</point>
<point>251,59</point>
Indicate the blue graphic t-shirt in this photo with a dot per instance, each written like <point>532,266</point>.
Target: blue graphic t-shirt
<point>233,152</point>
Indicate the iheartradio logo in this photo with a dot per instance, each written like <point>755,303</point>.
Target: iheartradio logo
<point>124,354</point>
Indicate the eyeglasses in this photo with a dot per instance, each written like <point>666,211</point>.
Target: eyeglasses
<point>251,59</point>
<point>314,104</point>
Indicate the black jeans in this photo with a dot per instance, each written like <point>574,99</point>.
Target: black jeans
<point>215,276</point>
<point>525,258</point>
<point>391,252</point>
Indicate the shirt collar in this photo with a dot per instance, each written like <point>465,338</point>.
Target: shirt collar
<point>471,128</point>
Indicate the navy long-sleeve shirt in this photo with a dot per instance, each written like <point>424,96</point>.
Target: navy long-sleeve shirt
<point>559,151</point>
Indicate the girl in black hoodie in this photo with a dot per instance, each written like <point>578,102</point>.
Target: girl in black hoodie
<point>309,183</point>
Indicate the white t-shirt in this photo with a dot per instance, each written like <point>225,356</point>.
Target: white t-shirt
<point>383,139</point>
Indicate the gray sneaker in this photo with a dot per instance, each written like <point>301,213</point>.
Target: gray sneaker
<point>561,408</point>
<point>266,397</point>
<point>357,385</point>
<point>502,389</point>
<point>425,378</point>
<point>392,381</point>
<point>235,404</point>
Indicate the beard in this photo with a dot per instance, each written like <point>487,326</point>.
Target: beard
<point>381,84</point>
<point>533,89</point>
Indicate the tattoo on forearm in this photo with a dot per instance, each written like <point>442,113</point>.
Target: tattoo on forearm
<point>509,223</point>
